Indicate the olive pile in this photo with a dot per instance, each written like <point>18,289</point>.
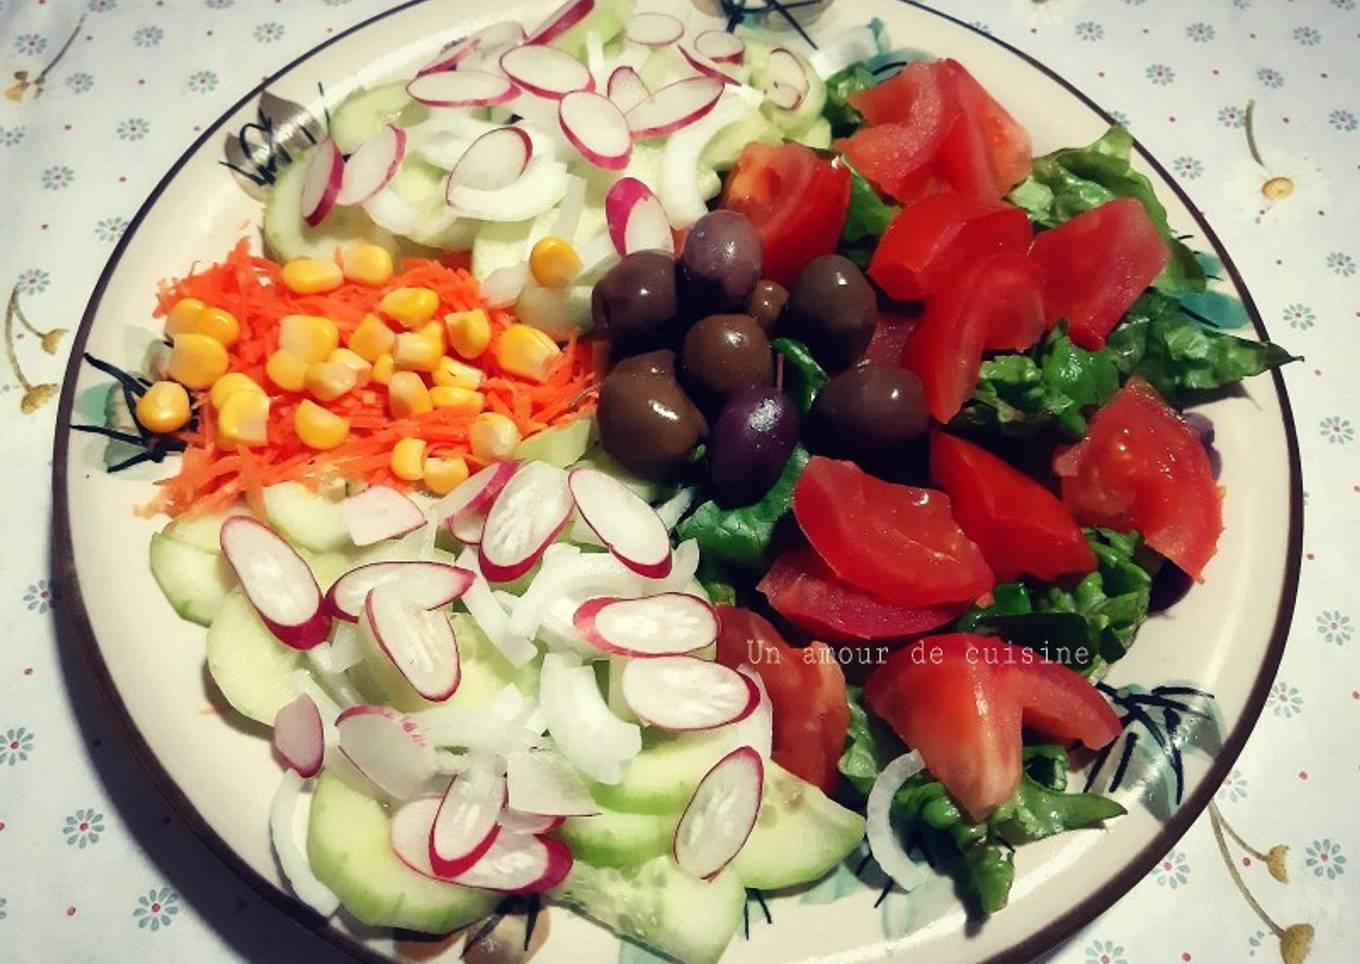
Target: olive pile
<point>711,314</point>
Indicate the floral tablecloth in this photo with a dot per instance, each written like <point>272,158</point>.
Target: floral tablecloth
<point>1252,103</point>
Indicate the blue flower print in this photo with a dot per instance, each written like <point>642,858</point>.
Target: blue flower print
<point>110,229</point>
<point>1341,263</point>
<point>58,177</point>
<point>1200,33</point>
<point>1342,120</point>
<point>1335,627</point>
<point>1187,167</point>
<point>202,81</point>
<point>1090,30</point>
<point>101,6</point>
<point>1337,430</point>
<point>1299,316</point>
<point>1270,77</point>
<point>1308,36</point>
<point>12,136</point>
<point>33,281</point>
<point>1325,859</point>
<point>134,129</point>
<point>148,36</point>
<point>1232,116</point>
<point>268,33</point>
<point>40,596</point>
<point>83,828</point>
<point>30,44</point>
<point>1285,700</point>
<point>15,745</point>
<point>80,83</point>
<point>1160,74</point>
<point>156,909</point>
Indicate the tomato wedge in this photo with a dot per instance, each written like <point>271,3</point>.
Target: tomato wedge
<point>1021,527</point>
<point>1006,142</point>
<point>895,541</point>
<point>1141,467</point>
<point>796,200</point>
<point>806,689</point>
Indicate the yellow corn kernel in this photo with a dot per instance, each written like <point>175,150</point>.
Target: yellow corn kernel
<point>554,262</point>
<point>408,459</point>
<point>219,324</point>
<point>464,401</point>
<point>182,315</point>
<point>469,332</point>
<point>492,437</point>
<point>196,361</point>
<point>455,374</point>
<point>363,371</point>
<point>327,381</point>
<point>309,337</point>
<point>164,407</point>
<point>413,352</point>
<point>310,276</point>
<point>286,370</point>
<point>371,339</point>
<point>242,419</point>
<point>411,307</point>
<point>407,396</point>
<point>525,351</point>
<point>368,264</point>
<point>229,383</point>
<point>383,367</point>
<point>435,332</point>
<point>442,476</point>
<point>318,428</point>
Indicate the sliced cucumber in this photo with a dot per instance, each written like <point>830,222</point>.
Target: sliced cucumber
<point>503,244</point>
<point>722,151</point>
<point>247,663</point>
<point>561,446</point>
<point>659,905</point>
<point>613,838</point>
<point>557,311</point>
<point>662,778</point>
<point>201,531</point>
<point>802,117</point>
<point>420,181</point>
<point>799,835</point>
<point>194,581</point>
<point>288,236</point>
<point>364,112</point>
<point>606,20</point>
<point>350,851</point>
<point>306,518</point>
<point>817,136</point>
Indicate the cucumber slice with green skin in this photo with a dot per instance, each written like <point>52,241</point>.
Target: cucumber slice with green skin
<point>503,244</point>
<point>799,834</point>
<point>201,531</point>
<point>287,236</point>
<point>350,851</point>
<point>659,905</point>
<point>606,19</point>
<point>612,838</point>
<point>364,112</point>
<point>796,121</point>
<point>561,446</point>
<point>818,136</point>
<point>662,778</point>
<point>250,666</point>
<point>306,519</point>
<point>722,151</point>
<point>194,581</point>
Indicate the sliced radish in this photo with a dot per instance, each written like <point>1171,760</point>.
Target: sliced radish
<point>387,749</point>
<point>705,66</point>
<point>674,106</point>
<point>464,509</point>
<point>465,825</point>
<point>542,185</point>
<point>561,20</point>
<point>409,833</point>
<point>625,523</point>
<point>543,782</point>
<point>653,29</point>
<point>667,624</point>
<point>783,96</point>
<point>626,88</point>
<point>787,79</point>
<point>498,34</point>
<point>372,167</point>
<point>596,127</point>
<point>299,737</point>
<point>595,741</point>
<point>757,730</point>
<point>277,581</point>
<point>517,821</point>
<point>520,864</point>
<point>492,161</point>
<point>283,834</point>
<point>527,515</point>
<point>546,71</point>
<point>883,840</point>
<point>428,585</point>
<point>719,817</point>
<point>462,88</point>
<point>321,182</point>
<point>685,693</point>
<point>421,644</point>
<point>451,56</point>
<point>380,513</point>
<point>636,218</point>
<point>721,47</point>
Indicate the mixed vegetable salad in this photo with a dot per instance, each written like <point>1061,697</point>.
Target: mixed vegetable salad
<point>650,461</point>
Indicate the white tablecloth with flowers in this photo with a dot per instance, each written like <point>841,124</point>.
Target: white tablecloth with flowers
<point>103,95</point>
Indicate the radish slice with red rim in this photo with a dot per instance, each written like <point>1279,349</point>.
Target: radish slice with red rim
<point>719,817</point>
<point>462,88</point>
<point>527,515</point>
<point>786,70</point>
<point>543,782</point>
<point>561,20</point>
<point>517,821</point>
<point>372,167</point>
<point>428,585</point>
<point>653,29</point>
<point>705,66</point>
<point>636,218</point>
<point>464,510</point>
<point>277,581</point>
<point>387,749</point>
<point>625,523</point>
<point>420,643</point>
<point>519,864</point>
<point>299,737</point>
<point>452,55</point>
<point>546,71</point>
<point>409,833</point>
<point>626,88</point>
<point>674,106</point>
<point>783,96</point>
<point>685,693</point>
<point>667,624</point>
<point>494,160</point>
<point>321,182</point>
<point>465,825</point>
<point>379,513</point>
<point>721,47</point>
<point>596,127</point>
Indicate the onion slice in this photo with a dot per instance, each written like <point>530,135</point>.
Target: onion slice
<point>299,737</point>
<point>517,821</point>
<point>387,749</point>
<point>462,88</point>
<point>653,29</point>
<point>379,513</point>
<point>678,184</point>
<point>543,184</point>
<point>297,870</point>
<point>465,825</point>
<point>636,218</point>
<point>421,644</point>
<point>321,182</point>
<point>626,88</point>
<point>428,585</point>
<point>854,46</point>
<point>595,741</point>
<point>546,71</point>
<point>596,127</point>
<point>487,612</point>
<point>625,523</point>
<point>883,843</point>
<point>684,693</point>
<point>721,47</point>
<point>526,516</point>
<point>543,782</point>
<point>720,815</point>
<point>674,106</point>
<point>667,624</point>
<point>277,581</point>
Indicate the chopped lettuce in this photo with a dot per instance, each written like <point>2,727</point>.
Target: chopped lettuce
<point>844,119</point>
<point>803,377</point>
<point>869,744</point>
<point>867,216</point>
<point>742,536</point>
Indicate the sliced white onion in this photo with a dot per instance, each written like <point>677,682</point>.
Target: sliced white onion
<point>539,188</point>
<point>502,287</point>
<point>471,730</point>
<point>345,652</point>
<point>626,88</point>
<point>379,513</point>
<point>299,738</point>
<point>719,817</point>
<point>883,842</point>
<point>515,821</point>
<point>284,834</point>
<point>387,749</point>
<point>653,29</point>
<point>625,523</point>
<point>569,574</point>
<point>854,46</point>
<point>277,581</point>
<point>566,16</point>
<point>462,88</point>
<point>783,96</point>
<point>721,47</point>
<point>526,516</point>
<point>684,564</point>
<point>597,128</point>
<point>679,186</point>
<point>595,59</point>
<point>546,71</point>
<point>674,508</point>
<point>419,643</point>
<point>573,206</point>
<point>392,211</point>
<point>667,624</point>
<point>490,617</point>
<point>430,585</point>
<point>674,107</point>
<point>321,182</point>
<point>594,740</point>
<point>492,161</point>
<point>373,166</point>
<point>465,825</point>
<point>543,782</point>
<point>597,255</point>
<point>684,693</point>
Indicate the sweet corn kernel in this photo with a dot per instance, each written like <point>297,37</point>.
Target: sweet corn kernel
<point>164,407</point>
<point>408,459</point>
<point>242,419</point>
<point>309,337</point>
<point>525,351</point>
<point>407,395</point>
<point>310,276</point>
<point>464,401</point>
<point>469,332</point>
<point>413,352</point>
<point>411,307</point>
<point>492,437</point>
<point>442,476</point>
<point>368,264</point>
<point>371,339</point>
<point>327,381</point>
<point>318,428</point>
<point>229,383</point>
<point>363,371</point>
<point>383,367</point>
<point>554,262</point>
<point>435,332</point>
<point>456,374</point>
<point>219,324</point>
<point>196,361</point>
<point>182,315</point>
<point>286,370</point>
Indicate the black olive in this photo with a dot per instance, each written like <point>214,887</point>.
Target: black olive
<point>832,310</point>
<point>647,422</point>
<point>721,263</point>
<point>751,441</point>
<point>723,354</point>
<point>659,362</point>
<point>767,304</point>
<point>635,305</point>
<point>869,414</point>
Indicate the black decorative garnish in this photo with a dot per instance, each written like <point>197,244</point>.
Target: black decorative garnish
<point>154,447</point>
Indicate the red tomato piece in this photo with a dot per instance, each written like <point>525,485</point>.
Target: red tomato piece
<point>1021,527</point>
<point>1096,266</point>
<point>936,238</point>
<point>1007,143</point>
<point>895,541</point>
<point>806,689</point>
<point>796,201</point>
<point>1141,467</point>
<point>1060,704</point>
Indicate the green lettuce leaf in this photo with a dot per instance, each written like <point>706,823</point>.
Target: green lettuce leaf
<point>803,377</point>
<point>867,216</point>
<point>869,744</point>
<point>742,536</point>
<point>844,119</point>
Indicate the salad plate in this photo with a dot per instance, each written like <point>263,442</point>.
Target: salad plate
<point>1183,700</point>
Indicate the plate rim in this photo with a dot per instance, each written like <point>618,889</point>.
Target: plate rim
<point>74,618</point>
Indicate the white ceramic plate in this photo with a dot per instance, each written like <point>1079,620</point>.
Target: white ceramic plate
<point>1225,638</point>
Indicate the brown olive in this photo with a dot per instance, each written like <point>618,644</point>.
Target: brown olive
<point>868,414</point>
<point>767,303</point>
<point>723,354</point>
<point>635,305</point>
<point>648,423</point>
<point>832,310</point>
<point>720,262</point>
<point>659,362</point>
